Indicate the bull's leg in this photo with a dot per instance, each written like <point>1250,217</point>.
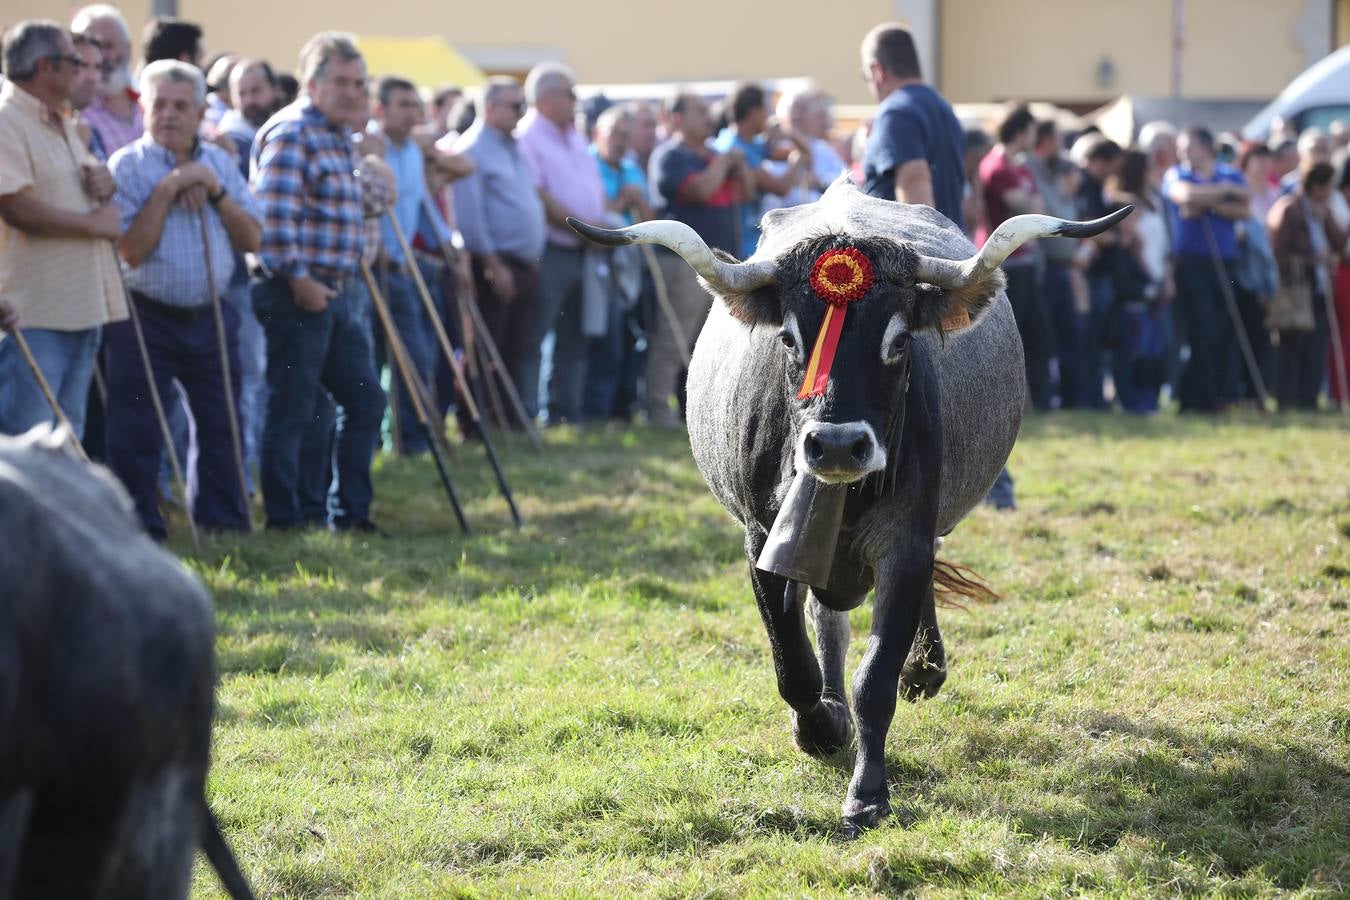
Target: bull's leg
<point>902,586</point>
<point>14,814</point>
<point>926,668</point>
<point>820,720</point>
<point>156,835</point>
<point>832,634</point>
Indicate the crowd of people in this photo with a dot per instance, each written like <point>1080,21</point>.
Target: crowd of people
<point>129,205</point>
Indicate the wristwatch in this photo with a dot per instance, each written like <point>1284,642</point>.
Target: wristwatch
<point>215,198</point>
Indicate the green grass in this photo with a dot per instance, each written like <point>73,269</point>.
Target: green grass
<point>1160,705</point>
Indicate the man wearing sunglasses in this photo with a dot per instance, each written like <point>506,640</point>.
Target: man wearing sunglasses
<point>56,262</point>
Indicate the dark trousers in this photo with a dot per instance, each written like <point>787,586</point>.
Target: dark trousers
<point>1068,325</point>
<point>508,321</point>
<point>1096,329</point>
<point>306,351</point>
<point>1237,379</point>
<point>559,311</point>
<point>1033,324</point>
<point>1301,361</point>
<point>186,351</point>
<point>1209,332</point>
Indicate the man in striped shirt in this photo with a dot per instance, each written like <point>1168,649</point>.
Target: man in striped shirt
<point>304,172</point>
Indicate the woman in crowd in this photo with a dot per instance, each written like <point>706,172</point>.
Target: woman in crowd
<point>1257,166</point>
<point>1142,285</point>
<point>1304,235</point>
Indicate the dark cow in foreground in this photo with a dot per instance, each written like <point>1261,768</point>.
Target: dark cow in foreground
<point>921,410</point>
<point>107,670</point>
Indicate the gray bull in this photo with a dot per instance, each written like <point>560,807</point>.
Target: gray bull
<point>107,669</point>
<point>923,404</point>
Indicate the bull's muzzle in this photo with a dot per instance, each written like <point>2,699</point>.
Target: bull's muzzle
<point>840,453</point>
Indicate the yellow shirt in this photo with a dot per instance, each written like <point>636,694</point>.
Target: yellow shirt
<point>60,283</point>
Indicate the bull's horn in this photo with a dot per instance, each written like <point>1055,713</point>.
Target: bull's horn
<point>953,274</point>
<point>724,277</point>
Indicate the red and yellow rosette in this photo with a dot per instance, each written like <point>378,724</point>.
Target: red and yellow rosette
<point>838,277</point>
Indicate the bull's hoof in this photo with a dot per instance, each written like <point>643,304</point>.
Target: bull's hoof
<point>825,730</point>
<point>918,682</point>
<point>859,817</point>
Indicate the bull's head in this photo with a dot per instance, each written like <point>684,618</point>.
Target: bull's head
<point>841,422</point>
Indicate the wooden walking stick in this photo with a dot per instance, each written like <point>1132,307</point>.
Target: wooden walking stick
<point>231,411</point>
<point>494,353</point>
<point>155,400</point>
<point>469,403</point>
<point>403,365</point>
<point>46,388</point>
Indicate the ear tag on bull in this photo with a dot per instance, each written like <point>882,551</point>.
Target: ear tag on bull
<point>838,277</point>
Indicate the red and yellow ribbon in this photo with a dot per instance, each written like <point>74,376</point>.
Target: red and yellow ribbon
<point>838,277</point>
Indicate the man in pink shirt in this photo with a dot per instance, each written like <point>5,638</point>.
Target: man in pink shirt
<point>569,185</point>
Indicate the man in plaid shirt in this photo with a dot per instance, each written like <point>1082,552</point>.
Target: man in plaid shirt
<point>308,299</point>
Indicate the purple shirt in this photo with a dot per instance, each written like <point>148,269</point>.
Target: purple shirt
<point>560,162</point>
<point>113,131</point>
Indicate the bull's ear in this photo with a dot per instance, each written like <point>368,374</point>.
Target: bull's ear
<point>761,306</point>
<point>954,310</point>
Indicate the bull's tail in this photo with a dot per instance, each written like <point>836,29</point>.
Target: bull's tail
<point>952,580</point>
<point>221,858</point>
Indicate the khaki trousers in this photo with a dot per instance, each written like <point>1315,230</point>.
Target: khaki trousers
<point>665,363</point>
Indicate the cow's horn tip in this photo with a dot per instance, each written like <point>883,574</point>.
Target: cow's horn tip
<point>599,235</point>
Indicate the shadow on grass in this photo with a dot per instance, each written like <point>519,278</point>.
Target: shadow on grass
<point>1232,803</point>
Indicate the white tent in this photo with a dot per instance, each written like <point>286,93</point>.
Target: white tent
<point>1324,83</point>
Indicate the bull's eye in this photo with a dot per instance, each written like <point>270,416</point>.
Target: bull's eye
<point>895,341</point>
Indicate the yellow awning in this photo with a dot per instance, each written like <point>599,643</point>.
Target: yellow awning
<point>426,61</point>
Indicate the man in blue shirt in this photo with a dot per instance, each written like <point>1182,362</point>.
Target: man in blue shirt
<point>915,152</point>
<point>397,111</point>
<point>1206,197</point>
<point>750,115</point>
<point>165,180</point>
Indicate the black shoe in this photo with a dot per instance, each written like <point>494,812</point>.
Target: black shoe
<point>363,526</point>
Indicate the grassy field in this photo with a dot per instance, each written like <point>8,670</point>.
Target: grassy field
<point>1160,705</point>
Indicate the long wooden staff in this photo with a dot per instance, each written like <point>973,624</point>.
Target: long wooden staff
<point>460,381</point>
<point>403,365</point>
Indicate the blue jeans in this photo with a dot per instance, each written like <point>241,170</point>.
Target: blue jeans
<point>66,359</point>
<point>410,318</point>
<point>306,352</point>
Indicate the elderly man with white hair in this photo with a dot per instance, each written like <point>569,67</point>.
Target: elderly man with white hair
<point>167,181</point>
<point>115,114</point>
<point>569,185</point>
